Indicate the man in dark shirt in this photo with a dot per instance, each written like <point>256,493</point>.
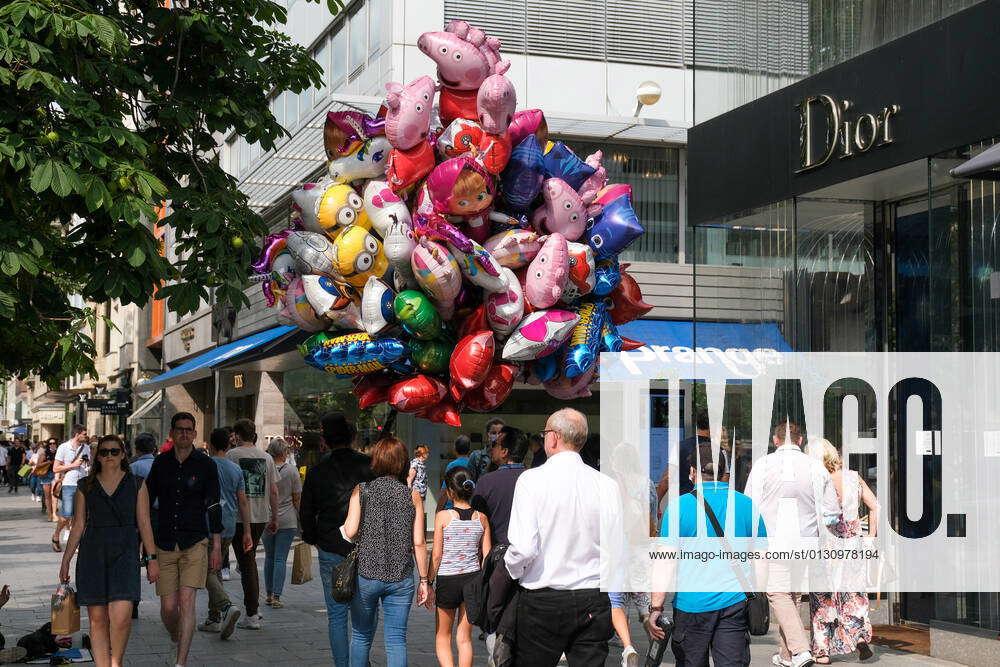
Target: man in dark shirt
<point>186,484</point>
<point>323,510</point>
<point>685,448</point>
<point>495,490</point>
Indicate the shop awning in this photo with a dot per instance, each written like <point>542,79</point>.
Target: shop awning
<point>985,166</point>
<point>722,335</point>
<point>143,410</point>
<point>19,430</point>
<point>202,365</point>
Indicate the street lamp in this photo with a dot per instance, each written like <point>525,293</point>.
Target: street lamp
<point>646,94</point>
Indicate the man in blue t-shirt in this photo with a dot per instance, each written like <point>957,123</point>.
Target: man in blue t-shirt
<point>462,446</point>
<point>222,614</point>
<point>704,621</point>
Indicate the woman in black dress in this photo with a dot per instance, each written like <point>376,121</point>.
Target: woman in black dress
<point>108,523</point>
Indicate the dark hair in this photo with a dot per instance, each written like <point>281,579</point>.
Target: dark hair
<point>462,445</point>
<point>88,483</point>
<point>180,416</point>
<point>79,428</point>
<point>493,422</point>
<point>515,441</point>
<point>145,443</point>
<point>389,457</point>
<point>219,439</point>
<point>536,439</point>
<point>460,483</point>
<point>701,419</point>
<point>704,450</point>
<point>792,429</point>
<point>311,440</point>
<point>591,451</point>
<point>245,430</point>
<point>337,431</point>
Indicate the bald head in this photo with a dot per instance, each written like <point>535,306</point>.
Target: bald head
<point>569,430</point>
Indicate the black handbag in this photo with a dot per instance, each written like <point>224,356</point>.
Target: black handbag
<point>344,579</point>
<point>758,610</point>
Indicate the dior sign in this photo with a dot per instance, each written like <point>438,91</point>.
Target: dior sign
<point>844,133</point>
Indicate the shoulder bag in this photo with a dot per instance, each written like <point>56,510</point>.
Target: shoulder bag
<point>758,611</point>
<point>344,579</point>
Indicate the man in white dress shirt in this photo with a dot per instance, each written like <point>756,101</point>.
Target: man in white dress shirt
<point>555,541</point>
<point>795,495</point>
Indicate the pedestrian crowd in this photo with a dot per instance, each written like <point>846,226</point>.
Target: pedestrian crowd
<point>516,546</point>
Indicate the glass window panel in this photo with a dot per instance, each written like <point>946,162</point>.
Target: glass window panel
<point>338,56</point>
<point>375,27</point>
<point>278,109</point>
<point>359,38</point>
<point>291,108</point>
<point>322,57</point>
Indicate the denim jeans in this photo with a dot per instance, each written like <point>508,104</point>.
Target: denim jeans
<point>336,613</point>
<point>276,559</point>
<point>396,600</point>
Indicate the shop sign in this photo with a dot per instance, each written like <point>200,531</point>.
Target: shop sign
<point>95,402</point>
<point>844,133</point>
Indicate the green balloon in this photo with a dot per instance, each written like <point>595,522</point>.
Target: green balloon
<point>417,314</point>
<point>431,356</point>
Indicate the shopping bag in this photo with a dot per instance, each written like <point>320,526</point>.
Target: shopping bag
<point>24,471</point>
<point>302,563</point>
<point>65,611</point>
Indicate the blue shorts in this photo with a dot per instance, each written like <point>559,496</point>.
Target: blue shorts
<point>66,505</point>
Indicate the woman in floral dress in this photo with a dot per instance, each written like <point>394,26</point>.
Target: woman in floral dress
<point>840,623</point>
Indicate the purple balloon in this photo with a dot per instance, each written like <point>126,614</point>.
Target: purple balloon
<point>614,229</point>
<point>522,179</point>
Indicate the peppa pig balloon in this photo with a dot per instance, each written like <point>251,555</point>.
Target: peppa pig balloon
<point>547,272</point>
<point>408,115</point>
<point>496,100</point>
<point>334,301</point>
<point>614,229</point>
<point>582,277</point>
<point>436,271</point>
<point>567,388</point>
<point>561,162</point>
<point>465,57</point>
<point>590,188</point>
<point>513,248</point>
<point>369,161</point>
<point>494,389</point>
<point>416,393</point>
<point>528,122</point>
<point>563,211</point>
<point>376,306</point>
<point>505,309</point>
<point>384,207</point>
<point>471,361</point>
<point>522,180</point>
<point>539,334</point>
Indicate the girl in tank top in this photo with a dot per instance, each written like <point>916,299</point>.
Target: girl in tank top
<point>461,541</point>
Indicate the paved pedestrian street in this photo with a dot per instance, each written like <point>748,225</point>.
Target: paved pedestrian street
<point>294,635</point>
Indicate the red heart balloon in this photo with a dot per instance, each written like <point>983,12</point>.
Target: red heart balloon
<point>444,412</point>
<point>416,393</point>
<point>471,360</point>
<point>494,390</point>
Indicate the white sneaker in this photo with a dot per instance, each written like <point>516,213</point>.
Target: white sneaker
<point>229,617</point>
<point>804,659</point>
<point>226,574</point>
<point>629,657</point>
<point>13,654</point>
<point>209,626</point>
<point>778,661</point>
<point>255,622</point>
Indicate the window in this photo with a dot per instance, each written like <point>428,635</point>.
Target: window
<point>278,109</point>
<point>338,56</point>
<point>322,57</point>
<point>375,27</point>
<point>291,101</point>
<point>359,39</point>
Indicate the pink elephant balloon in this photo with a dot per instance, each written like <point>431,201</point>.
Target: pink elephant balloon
<point>539,334</point>
<point>465,57</point>
<point>408,116</point>
<point>594,183</point>
<point>496,100</point>
<point>513,248</point>
<point>564,211</point>
<point>547,272</point>
<point>436,272</point>
<point>504,310</point>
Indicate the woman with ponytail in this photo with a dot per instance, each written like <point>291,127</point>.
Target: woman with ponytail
<point>461,541</point>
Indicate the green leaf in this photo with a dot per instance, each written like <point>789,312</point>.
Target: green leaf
<point>7,305</point>
<point>41,176</point>
<point>65,180</point>
<point>137,257</point>
<point>9,263</point>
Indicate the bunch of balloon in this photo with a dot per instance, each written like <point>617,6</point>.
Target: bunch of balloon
<point>448,256</point>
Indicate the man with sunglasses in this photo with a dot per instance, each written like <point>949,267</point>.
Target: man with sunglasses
<point>185,481</point>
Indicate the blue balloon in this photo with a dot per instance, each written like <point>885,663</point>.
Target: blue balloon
<point>607,275</point>
<point>614,229</point>
<point>521,180</point>
<point>562,163</point>
<point>357,354</point>
<point>585,341</point>
<point>611,340</point>
<point>547,368</point>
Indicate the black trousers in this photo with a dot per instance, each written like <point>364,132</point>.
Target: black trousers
<point>551,622</point>
<point>723,632</point>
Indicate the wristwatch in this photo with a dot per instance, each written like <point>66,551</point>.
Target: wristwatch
<point>658,609</point>
<point>149,557</point>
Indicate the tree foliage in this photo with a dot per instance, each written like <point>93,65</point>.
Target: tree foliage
<point>109,109</point>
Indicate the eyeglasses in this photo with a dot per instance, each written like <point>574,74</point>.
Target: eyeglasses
<point>183,429</point>
<point>115,451</point>
<point>542,433</point>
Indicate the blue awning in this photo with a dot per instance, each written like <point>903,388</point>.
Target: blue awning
<point>19,430</point>
<point>202,365</point>
<point>723,335</point>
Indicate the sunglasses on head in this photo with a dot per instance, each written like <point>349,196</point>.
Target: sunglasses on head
<point>114,451</point>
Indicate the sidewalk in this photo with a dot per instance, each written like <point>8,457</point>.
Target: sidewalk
<point>295,635</point>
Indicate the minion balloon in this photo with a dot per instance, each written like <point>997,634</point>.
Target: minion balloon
<point>359,256</point>
<point>339,207</point>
